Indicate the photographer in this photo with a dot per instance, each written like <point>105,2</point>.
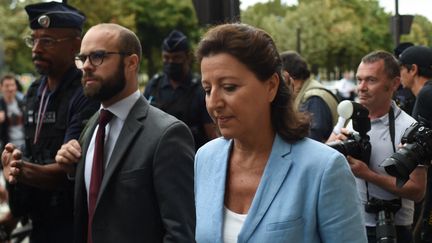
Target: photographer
<point>377,79</point>
<point>416,75</point>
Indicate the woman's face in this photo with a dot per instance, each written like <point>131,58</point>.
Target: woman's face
<point>237,101</point>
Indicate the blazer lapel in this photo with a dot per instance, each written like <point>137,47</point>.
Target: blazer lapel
<point>217,184</point>
<point>131,127</point>
<point>273,177</point>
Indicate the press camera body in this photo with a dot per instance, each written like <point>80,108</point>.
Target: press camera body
<point>356,145</point>
<point>416,149</point>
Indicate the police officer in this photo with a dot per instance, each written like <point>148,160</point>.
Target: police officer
<point>178,92</point>
<point>56,111</point>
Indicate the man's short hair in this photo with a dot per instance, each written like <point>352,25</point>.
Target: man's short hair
<point>391,65</point>
<point>295,65</point>
<point>7,76</point>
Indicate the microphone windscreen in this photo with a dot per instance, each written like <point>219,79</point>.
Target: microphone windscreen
<point>345,109</point>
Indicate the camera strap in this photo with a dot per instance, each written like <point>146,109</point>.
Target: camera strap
<point>392,128</point>
<point>392,137</point>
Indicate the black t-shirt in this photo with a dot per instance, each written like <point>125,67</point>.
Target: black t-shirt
<point>423,104</point>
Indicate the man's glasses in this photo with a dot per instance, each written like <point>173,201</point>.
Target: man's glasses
<point>45,42</point>
<point>96,58</point>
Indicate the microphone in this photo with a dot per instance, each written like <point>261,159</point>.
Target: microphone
<point>345,110</point>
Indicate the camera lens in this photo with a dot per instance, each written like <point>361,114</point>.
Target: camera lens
<point>385,229</point>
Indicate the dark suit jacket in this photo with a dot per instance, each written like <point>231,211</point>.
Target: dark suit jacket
<point>147,189</point>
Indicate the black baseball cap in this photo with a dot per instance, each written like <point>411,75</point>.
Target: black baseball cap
<point>419,55</point>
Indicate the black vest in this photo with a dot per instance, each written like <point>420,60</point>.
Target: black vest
<point>42,205</point>
<point>53,124</point>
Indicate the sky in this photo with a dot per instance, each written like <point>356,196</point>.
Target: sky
<point>421,7</point>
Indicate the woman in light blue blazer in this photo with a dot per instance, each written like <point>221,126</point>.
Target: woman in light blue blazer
<point>263,181</point>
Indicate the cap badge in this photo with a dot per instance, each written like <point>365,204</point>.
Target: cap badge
<point>44,21</point>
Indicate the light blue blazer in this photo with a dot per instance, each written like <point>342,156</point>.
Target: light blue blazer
<point>307,193</point>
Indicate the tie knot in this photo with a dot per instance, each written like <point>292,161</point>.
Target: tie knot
<point>105,116</point>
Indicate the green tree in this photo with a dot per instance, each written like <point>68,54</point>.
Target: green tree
<point>334,34</point>
<point>13,28</point>
<point>155,19</point>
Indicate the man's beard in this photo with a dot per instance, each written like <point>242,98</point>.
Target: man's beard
<point>40,69</point>
<point>109,88</point>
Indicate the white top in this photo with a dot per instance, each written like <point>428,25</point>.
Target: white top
<point>345,87</point>
<point>233,223</point>
<point>112,130</point>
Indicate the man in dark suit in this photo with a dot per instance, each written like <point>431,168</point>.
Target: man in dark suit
<point>146,191</point>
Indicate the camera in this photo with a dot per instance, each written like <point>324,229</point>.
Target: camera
<point>356,145</point>
<point>384,211</point>
<point>417,149</point>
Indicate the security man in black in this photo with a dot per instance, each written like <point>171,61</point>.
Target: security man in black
<point>178,92</point>
<point>56,111</point>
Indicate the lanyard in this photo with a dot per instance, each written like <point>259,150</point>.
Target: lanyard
<point>41,113</point>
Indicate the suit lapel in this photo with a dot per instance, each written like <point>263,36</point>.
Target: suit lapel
<point>273,177</point>
<point>132,125</point>
<point>84,141</point>
<point>80,189</point>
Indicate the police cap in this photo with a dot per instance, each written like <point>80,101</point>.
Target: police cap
<point>175,41</point>
<point>401,47</point>
<point>54,15</point>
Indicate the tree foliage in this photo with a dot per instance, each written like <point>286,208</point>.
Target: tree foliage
<point>151,20</point>
<point>333,34</point>
<point>16,56</point>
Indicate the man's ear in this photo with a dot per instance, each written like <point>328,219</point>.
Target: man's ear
<point>414,68</point>
<point>132,62</point>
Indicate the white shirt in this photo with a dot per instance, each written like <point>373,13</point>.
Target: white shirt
<point>382,148</point>
<point>120,110</point>
<point>233,223</point>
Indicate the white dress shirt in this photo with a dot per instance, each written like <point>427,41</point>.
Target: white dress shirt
<point>120,110</point>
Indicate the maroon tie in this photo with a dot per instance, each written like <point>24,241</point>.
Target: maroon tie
<point>97,168</point>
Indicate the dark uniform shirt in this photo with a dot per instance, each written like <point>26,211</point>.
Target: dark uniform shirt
<point>54,118</point>
<point>186,103</point>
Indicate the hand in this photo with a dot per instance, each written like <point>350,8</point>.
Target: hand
<point>2,116</point>
<point>68,155</point>
<point>358,167</point>
<point>343,135</point>
<point>12,163</point>
<point>3,194</point>
<point>9,222</point>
